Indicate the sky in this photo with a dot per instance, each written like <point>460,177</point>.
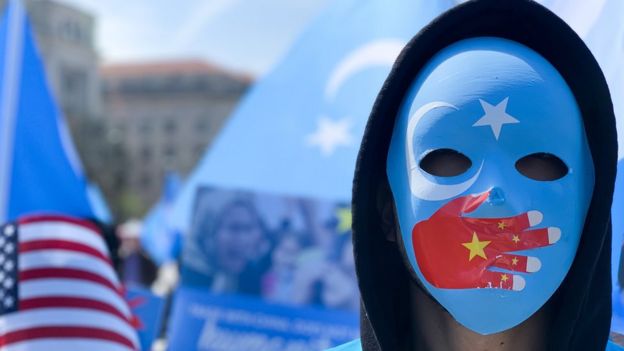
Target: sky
<point>243,35</point>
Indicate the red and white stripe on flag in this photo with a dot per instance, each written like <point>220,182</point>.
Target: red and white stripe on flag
<point>58,289</point>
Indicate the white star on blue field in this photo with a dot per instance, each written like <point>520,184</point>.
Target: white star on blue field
<point>495,116</point>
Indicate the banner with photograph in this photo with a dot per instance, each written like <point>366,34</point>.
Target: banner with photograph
<point>272,258</point>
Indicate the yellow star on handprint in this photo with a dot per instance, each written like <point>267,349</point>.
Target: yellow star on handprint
<point>476,247</point>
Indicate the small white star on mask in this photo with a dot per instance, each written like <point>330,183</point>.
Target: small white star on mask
<point>495,117</point>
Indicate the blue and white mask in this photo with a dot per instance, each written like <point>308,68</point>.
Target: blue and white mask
<point>492,177</point>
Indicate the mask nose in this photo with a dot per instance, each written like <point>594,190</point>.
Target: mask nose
<point>497,197</point>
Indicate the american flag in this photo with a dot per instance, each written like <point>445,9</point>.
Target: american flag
<point>58,289</point>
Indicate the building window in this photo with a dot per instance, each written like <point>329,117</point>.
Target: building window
<point>119,181</point>
<point>145,127</point>
<point>74,89</point>
<point>198,150</point>
<point>170,126</point>
<point>118,152</point>
<point>73,32</point>
<point>202,125</point>
<point>170,152</point>
<point>145,181</point>
<point>115,134</point>
<point>146,153</point>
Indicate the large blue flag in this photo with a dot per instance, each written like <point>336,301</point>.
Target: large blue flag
<point>39,168</point>
<point>298,131</point>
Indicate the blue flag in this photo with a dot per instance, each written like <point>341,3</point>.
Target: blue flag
<point>158,236</point>
<point>298,130</point>
<point>601,25</point>
<point>148,310</point>
<point>39,168</point>
<point>98,204</point>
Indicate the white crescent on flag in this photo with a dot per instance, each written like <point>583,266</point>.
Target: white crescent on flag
<point>332,133</point>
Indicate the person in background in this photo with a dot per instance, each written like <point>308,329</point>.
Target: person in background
<point>278,281</point>
<point>232,244</point>
<point>136,267</point>
<point>325,275</point>
<point>340,289</point>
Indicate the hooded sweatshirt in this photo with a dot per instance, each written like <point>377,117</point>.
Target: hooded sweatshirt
<point>582,304</point>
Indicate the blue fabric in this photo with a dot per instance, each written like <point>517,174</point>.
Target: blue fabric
<point>326,83</point>
<point>149,309</point>
<point>355,345</point>
<point>45,173</point>
<point>611,346</point>
<point>158,236</point>
<point>239,322</point>
<point>98,204</point>
<point>617,217</point>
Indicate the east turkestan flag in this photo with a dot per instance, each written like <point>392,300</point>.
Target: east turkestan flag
<point>39,167</point>
<point>298,130</point>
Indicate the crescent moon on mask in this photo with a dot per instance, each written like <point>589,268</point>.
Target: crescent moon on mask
<point>420,186</point>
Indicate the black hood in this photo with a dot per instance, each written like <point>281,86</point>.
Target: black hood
<point>583,312</point>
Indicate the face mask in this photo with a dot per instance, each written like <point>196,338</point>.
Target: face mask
<point>492,177</point>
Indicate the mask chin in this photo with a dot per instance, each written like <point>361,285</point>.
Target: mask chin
<point>490,181</point>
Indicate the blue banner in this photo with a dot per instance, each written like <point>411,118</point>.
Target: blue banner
<point>208,322</point>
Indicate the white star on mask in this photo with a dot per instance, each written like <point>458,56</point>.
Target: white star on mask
<point>331,134</point>
<point>495,117</point>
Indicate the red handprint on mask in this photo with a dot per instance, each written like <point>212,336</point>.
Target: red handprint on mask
<point>455,252</point>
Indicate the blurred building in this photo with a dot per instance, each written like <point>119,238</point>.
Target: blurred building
<point>165,114</point>
<point>65,37</point>
<point>130,122</point>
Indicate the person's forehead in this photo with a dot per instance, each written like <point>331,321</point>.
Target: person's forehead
<point>485,60</point>
<point>506,78</point>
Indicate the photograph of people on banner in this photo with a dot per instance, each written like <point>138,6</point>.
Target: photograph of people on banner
<point>286,250</point>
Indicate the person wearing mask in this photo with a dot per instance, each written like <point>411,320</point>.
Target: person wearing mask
<point>483,189</point>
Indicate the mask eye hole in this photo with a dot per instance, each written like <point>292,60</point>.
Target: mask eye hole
<point>445,163</point>
<point>542,166</point>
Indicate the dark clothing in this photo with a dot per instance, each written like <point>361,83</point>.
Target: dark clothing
<point>582,304</point>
